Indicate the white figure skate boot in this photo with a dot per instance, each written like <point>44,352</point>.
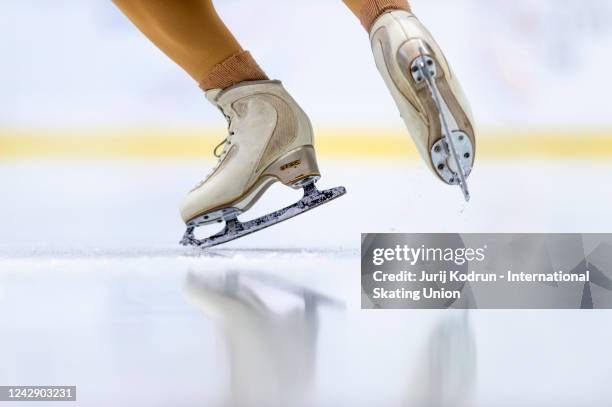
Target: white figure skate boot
<point>270,139</point>
<point>427,94</point>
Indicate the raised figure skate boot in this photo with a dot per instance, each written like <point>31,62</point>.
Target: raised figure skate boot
<point>269,139</point>
<point>427,94</point>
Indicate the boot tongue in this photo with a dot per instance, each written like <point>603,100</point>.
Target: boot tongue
<point>212,94</point>
<point>222,98</point>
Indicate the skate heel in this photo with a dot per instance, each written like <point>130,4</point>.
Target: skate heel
<point>296,168</point>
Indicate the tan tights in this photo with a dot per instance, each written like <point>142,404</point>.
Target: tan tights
<point>191,33</point>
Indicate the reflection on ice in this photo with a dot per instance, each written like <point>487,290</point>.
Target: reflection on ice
<point>270,329</point>
<point>450,375</point>
<point>270,341</point>
<point>209,330</point>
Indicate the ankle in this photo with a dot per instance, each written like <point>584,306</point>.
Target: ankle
<point>238,68</point>
<point>372,9</point>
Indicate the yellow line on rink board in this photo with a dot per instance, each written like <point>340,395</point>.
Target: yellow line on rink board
<point>199,143</point>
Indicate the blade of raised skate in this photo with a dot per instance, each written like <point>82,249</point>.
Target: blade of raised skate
<point>235,229</point>
<point>450,142</point>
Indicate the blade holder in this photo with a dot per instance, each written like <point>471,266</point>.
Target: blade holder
<point>457,161</point>
<point>442,162</point>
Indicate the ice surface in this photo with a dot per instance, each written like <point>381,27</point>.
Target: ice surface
<point>95,291</point>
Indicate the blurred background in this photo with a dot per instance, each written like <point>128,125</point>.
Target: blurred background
<point>530,67</point>
<point>101,135</point>
<point>91,108</point>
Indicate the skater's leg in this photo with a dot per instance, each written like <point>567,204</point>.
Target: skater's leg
<point>368,10</point>
<point>192,34</point>
<point>426,92</point>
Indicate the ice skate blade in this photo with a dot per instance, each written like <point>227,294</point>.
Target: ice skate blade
<point>235,229</point>
<point>452,156</point>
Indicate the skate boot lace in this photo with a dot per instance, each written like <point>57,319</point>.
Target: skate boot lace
<point>225,143</point>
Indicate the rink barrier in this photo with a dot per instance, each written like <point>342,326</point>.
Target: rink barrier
<point>342,143</point>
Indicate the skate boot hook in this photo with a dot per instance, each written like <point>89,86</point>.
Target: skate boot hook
<point>454,144</point>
